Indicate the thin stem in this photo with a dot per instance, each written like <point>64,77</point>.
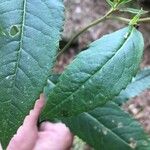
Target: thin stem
<point>119,18</point>
<point>85,29</point>
<point>106,16</point>
<point>142,20</point>
<point>126,20</point>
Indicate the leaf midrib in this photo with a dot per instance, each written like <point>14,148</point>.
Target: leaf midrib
<point>143,77</point>
<point>62,102</point>
<point>21,42</point>
<point>99,123</point>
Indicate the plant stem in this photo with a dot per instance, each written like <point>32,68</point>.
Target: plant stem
<point>85,29</point>
<point>126,20</point>
<point>144,20</point>
<point>106,16</point>
<point>119,18</point>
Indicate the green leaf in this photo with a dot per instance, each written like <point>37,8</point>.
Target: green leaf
<point>122,1</point>
<point>27,54</point>
<point>110,3</point>
<point>109,128</point>
<point>140,83</point>
<point>117,3</point>
<point>133,11</point>
<point>136,18</point>
<point>97,74</point>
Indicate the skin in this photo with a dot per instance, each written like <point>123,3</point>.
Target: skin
<point>49,136</point>
<point>0,147</point>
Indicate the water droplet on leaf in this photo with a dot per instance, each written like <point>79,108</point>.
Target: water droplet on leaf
<point>90,102</point>
<point>83,86</point>
<point>104,130</point>
<point>145,143</point>
<point>126,35</point>
<point>113,121</point>
<point>133,143</point>
<point>71,97</point>
<point>95,127</point>
<point>90,81</point>
<point>7,77</point>
<point>120,125</point>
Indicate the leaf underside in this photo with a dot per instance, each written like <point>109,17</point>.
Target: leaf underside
<point>97,75</point>
<point>27,53</point>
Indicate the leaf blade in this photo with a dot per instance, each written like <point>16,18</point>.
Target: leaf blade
<point>110,3</point>
<point>109,127</point>
<point>76,93</point>
<point>139,84</point>
<point>26,56</point>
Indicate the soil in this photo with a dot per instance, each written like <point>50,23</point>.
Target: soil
<point>80,13</point>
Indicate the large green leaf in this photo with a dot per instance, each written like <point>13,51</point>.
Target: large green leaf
<point>109,128</point>
<point>97,74</point>
<point>27,52</point>
<point>140,83</point>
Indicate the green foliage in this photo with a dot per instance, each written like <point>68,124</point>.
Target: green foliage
<point>109,128</point>
<point>97,74</point>
<point>27,53</point>
<point>136,18</point>
<point>116,3</point>
<point>140,83</point>
<point>110,3</point>
<point>29,40</point>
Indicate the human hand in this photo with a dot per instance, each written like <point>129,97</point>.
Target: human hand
<point>49,136</point>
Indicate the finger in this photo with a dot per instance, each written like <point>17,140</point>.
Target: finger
<point>32,118</point>
<point>0,146</point>
<point>19,129</point>
<point>46,126</point>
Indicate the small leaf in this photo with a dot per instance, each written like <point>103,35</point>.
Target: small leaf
<point>117,3</point>
<point>136,18</point>
<point>140,83</point>
<point>109,128</point>
<point>97,74</point>
<point>123,1</point>
<point>110,3</point>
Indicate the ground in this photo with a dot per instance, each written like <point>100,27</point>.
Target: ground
<point>80,13</point>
